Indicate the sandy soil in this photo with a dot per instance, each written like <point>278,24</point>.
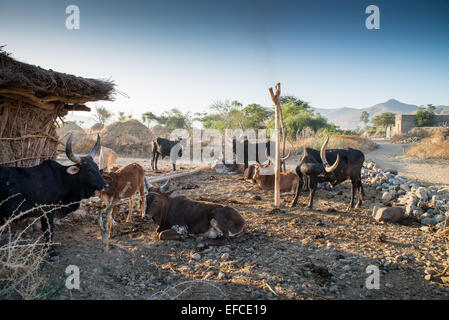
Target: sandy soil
<point>392,156</point>
<point>285,254</point>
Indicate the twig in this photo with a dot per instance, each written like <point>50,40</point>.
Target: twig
<point>270,288</point>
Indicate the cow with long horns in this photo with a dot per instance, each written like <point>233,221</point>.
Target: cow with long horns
<point>49,188</point>
<point>177,216</point>
<point>314,167</point>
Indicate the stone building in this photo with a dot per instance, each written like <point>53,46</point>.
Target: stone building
<point>406,122</point>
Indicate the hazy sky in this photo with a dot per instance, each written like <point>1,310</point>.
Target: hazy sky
<point>187,54</point>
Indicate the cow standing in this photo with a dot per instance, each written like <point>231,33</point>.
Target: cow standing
<point>132,173</point>
<point>163,147</point>
<point>107,159</point>
<point>176,216</point>
<point>313,168</point>
<point>57,189</point>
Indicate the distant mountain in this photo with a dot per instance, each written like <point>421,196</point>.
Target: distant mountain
<point>349,118</point>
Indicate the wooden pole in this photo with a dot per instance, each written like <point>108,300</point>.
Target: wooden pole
<point>277,178</point>
<point>284,137</point>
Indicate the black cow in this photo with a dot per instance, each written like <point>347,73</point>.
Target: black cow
<point>49,185</point>
<point>266,146</point>
<point>162,147</point>
<point>313,168</point>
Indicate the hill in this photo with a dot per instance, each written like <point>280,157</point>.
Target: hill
<point>349,118</point>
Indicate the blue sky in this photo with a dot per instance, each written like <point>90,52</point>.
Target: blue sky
<point>187,54</point>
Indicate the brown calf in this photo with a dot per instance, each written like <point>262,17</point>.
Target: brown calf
<point>179,215</point>
<point>288,182</point>
<point>117,180</point>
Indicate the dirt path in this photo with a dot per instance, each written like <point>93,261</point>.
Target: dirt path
<point>392,156</point>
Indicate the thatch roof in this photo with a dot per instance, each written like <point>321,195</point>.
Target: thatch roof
<point>47,88</point>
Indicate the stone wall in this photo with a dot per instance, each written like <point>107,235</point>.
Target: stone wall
<point>406,122</point>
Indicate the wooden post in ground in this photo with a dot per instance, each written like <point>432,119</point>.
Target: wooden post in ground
<point>277,178</point>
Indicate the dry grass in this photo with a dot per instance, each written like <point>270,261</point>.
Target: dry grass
<point>336,141</point>
<point>434,147</point>
<point>20,259</point>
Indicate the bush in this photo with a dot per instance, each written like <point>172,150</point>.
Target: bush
<point>20,260</point>
<point>434,147</point>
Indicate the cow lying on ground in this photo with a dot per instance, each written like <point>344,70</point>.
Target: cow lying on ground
<point>50,185</point>
<point>288,180</point>
<point>117,180</point>
<point>313,167</point>
<point>163,147</point>
<point>268,166</point>
<point>107,159</point>
<point>176,216</point>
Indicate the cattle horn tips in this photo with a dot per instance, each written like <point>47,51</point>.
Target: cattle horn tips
<point>327,167</point>
<point>68,150</point>
<point>96,147</point>
<point>147,184</point>
<point>165,186</point>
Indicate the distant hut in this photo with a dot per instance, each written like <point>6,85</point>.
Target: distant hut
<point>31,101</point>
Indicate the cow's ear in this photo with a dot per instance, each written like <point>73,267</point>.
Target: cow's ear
<point>73,170</point>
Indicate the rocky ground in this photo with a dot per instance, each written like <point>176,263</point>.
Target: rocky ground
<point>285,253</point>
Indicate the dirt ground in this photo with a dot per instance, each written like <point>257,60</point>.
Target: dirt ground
<point>285,253</point>
<point>388,155</point>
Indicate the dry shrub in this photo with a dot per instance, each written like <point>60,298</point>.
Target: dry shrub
<point>425,132</point>
<point>436,147</point>
<point>20,259</point>
<point>336,141</point>
<point>398,137</point>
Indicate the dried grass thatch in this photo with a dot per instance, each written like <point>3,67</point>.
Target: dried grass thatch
<point>47,88</point>
<point>128,138</point>
<point>31,101</point>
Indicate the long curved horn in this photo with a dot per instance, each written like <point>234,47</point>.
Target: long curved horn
<point>286,157</point>
<point>68,150</point>
<point>165,186</point>
<point>334,166</point>
<point>147,184</point>
<point>96,147</point>
<point>268,157</point>
<point>328,168</point>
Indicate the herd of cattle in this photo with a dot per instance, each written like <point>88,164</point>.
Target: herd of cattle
<point>51,189</point>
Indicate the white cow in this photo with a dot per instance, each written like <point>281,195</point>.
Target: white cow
<point>107,159</point>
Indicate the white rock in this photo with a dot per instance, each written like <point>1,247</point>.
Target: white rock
<point>196,256</point>
<point>421,193</point>
<point>387,196</point>
<point>389,214</point>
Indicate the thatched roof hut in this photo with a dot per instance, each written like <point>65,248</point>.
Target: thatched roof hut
<point>31,101</point>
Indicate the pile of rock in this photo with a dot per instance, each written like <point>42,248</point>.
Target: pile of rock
<point>406,140</point>
<point>412,200</point>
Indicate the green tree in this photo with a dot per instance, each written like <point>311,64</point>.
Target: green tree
<point>102,115</point>
<point>147,117</point>
<point>299,115</point>
<point>384,120</point>
<point>169,120</point>
<point>256,117</point>
<point>424,116</point>
<point>364,117</point>
<point>121,116</point>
